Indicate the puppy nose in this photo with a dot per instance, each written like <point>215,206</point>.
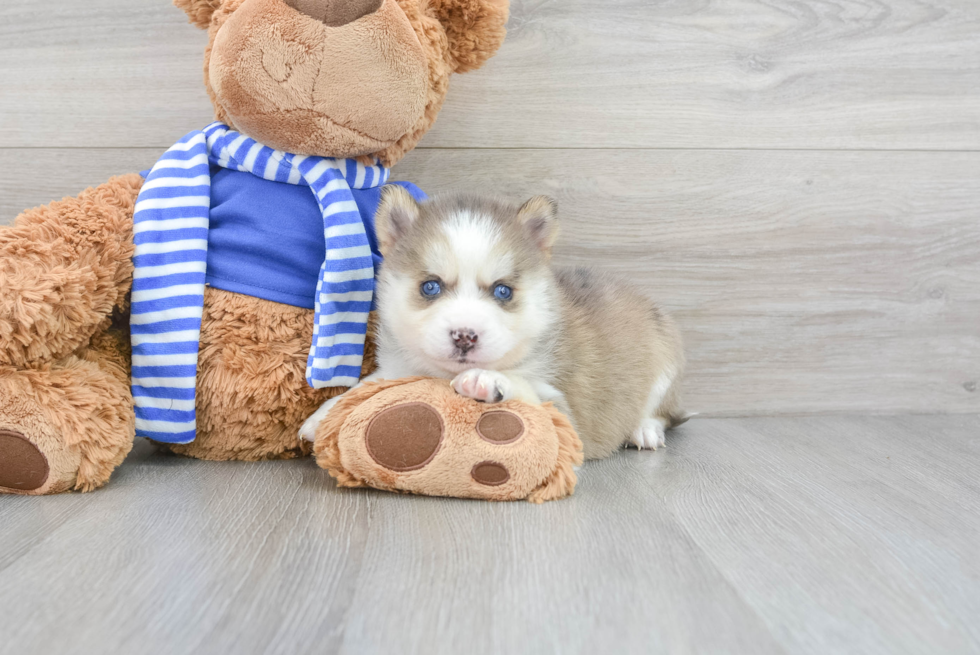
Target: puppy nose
<point>335,13</point>
<point>465,340</point>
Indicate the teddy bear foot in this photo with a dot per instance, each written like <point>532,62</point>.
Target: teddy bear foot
<point>34,460</point>
<point>64,426</point>
<point>23,467</point>
<point>41,455</point>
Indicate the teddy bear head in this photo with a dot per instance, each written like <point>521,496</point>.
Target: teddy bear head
<point>340,78</point>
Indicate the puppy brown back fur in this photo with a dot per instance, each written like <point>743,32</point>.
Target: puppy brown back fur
<point>615,345</point>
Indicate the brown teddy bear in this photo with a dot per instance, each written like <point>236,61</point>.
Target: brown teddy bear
<point>334,92</point>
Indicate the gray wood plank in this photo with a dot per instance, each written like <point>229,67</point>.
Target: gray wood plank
<point>715,74</point>
<point>180,556</point>
<point>607,571</point>
<point>783,535</point>
<point>121,73</point>
<point>614,74</point>
<point>821,524</point>
<point>803,281</point>
<point>36,176</point>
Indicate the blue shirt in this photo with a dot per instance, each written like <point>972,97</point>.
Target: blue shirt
<point>265,238</point>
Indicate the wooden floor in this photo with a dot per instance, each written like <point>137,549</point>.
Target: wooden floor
<point>755,535</point>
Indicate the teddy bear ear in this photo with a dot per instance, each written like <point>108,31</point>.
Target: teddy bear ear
<point>199,11</point>
<point>475,29</point>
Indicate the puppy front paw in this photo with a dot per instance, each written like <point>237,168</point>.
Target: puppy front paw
<point>485,386</point>
<point>308,431</point>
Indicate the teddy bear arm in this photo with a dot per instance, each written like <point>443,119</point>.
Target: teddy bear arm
<point>417,435</point>
<point>64,268</point>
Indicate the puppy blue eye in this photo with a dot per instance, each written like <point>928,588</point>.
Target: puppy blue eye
<point>503,292</point>
<point>431,288</point>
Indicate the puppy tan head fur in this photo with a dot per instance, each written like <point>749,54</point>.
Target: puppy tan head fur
<point>465,282</point>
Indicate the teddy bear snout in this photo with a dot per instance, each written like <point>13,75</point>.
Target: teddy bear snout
<point>335,13</point>
<point>274,76</point>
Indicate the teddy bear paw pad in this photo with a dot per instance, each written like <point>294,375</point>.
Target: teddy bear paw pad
<point>405,437</point>
<point>500,427</point>
<point>22,466</point>
<point>491,474</point>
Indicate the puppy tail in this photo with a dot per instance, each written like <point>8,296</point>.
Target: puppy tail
<point>679,418</point>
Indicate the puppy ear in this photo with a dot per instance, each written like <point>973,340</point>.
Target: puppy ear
<point>539,217</point>
<point>475,29</point>
<point>397,212</point>
<point>199,11</point>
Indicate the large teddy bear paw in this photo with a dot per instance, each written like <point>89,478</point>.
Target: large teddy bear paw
<point>35,456</point>
<point>66,425</point>
<point>418,435</point>
<point>23,466</point>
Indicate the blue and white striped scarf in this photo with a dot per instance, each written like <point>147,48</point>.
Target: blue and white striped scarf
<point>171,238</point>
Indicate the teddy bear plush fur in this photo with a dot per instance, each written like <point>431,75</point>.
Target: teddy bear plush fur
<point>66,410</point>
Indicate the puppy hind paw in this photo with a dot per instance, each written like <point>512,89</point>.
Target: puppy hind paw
<point>308,431</point>
<point>650,434</point>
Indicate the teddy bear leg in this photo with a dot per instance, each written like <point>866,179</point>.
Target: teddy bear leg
<point>252,394</point>
<point>66,424</point>
<point>64,268</point>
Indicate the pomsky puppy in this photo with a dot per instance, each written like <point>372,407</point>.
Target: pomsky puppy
<point>466,293</point>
